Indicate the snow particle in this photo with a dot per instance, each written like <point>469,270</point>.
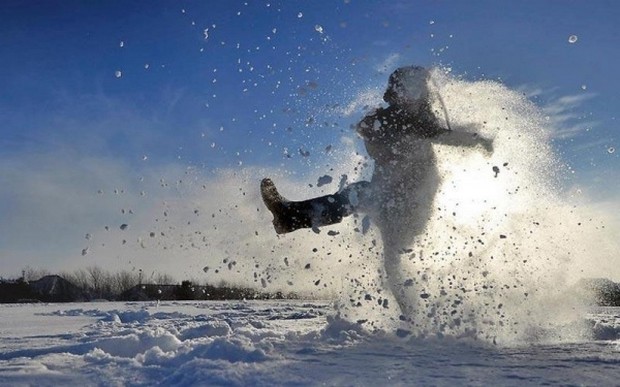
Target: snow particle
<point>118,74</point>
<point>318,28</point>
<point>300,15</point>
<point>323,180</point>
<point>611,150</point>
<point>572,39</point>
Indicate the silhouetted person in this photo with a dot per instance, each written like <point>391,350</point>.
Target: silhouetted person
<point>400,195</point>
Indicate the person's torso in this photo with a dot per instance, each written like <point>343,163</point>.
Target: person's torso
<point>393,136</point>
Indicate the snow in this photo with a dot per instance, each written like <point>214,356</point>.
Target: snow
<point>274,343</point>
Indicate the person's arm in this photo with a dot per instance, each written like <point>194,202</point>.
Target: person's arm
<point>430,126</point>
<point>463,138</point>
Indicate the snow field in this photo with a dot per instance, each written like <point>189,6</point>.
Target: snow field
<point>272,343</point>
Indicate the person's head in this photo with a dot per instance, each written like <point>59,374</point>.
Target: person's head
<point>407,86</point>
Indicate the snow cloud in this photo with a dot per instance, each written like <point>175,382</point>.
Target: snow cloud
<point>365,100</point>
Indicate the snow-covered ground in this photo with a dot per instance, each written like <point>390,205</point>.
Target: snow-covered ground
<point>273,343</point>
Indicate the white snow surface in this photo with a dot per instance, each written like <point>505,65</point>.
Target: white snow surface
<point>266,343</point>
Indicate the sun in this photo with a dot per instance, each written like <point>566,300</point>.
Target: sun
<point>473,192</point>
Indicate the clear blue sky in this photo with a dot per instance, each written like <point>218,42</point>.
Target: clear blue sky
<point>223,84</point>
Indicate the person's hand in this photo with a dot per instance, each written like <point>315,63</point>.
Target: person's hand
<point>487,145</point>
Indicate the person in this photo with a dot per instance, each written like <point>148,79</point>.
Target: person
<point>399,197</point>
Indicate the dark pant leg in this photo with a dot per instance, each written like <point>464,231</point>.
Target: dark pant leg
<point>325,210</point>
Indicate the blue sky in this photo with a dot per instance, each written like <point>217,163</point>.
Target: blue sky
<point>102,97</point>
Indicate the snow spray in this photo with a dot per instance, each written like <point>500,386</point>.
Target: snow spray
<point>494,259</point>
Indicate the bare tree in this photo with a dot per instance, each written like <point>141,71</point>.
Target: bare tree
<point>30,274</point>
<point>78,278</point>
<point>124,281</point>
<point>98,281</point>
<point>162,279</point>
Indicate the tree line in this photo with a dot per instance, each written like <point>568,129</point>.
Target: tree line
<point>95,283</point>
<point>99,283</point>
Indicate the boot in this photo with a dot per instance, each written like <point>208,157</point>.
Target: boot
<point>280,208</point>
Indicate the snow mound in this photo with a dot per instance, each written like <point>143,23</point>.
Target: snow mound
<point>230,349</point>
<point>605,326</point>
<point>131,345</point>
<point>207,329</point>
<point>342,330</point>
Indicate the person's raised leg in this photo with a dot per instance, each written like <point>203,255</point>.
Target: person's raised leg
<point>289,215</point>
